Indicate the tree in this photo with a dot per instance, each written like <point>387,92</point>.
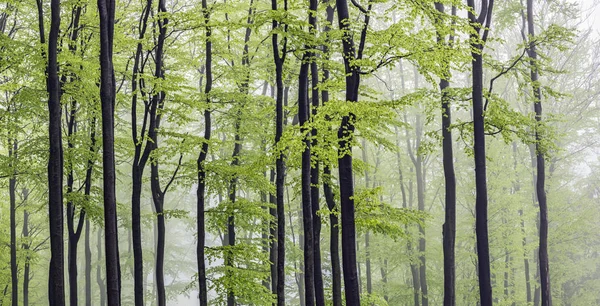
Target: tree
<point>449,227</point>
<point>56,290</point>
<point>278,281</point>
<point>540,162</point>
<point>478,38</point>
<point>106,10</point>
<point>140,158</point>
<point>200,217</point>
<point>345,134</point>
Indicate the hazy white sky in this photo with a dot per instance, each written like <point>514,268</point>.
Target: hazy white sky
<point>590,10</point>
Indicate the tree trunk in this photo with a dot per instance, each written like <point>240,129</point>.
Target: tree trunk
<point>26,246</point>
<point>314,190</point>
<point>449,227</point>
<point>99,279</point>
<point>546,296</point>
<point>303,117</point>
<point>336,277</point>
<point>345,134</point>
<point>278,278</point>
<point>12,190</point>
<point>481,201</point>
<point>201,192</point>
<point>56,289</point>
<point>106,9</point>
<point>88,265</point>
<point>138,165</point>
<point>334,234</point>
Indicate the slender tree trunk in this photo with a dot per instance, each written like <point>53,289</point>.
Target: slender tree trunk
<point>336,273</point>
<point>449,227</point>
<point>138,165</point>
<point>26,246</point>
<point>56,287</point>
<point>546,296</point>
<point>88,265</point>
<point>73,233</point>
<point>314,190</point>
<point>99,279</point>
<point>12,190</point>
<point>303,117</point>
<point>278,278</point>
<point>334,234</point>
<point>481,201</point>
<point>367,254</point>
<point>201,192</point>
<point>106,9</point>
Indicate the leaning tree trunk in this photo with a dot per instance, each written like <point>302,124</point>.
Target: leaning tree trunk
<point>106,9</point>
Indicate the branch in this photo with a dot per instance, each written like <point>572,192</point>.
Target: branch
<point>502,72</point>
<point>359,7</point>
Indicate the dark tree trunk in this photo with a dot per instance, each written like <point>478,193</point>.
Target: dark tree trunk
<point>314,190</point>
<point>106,9</point>
<point>99,279</point>
<point>336,273</point>
<point>278,278</point>
<point>546,296</point>
<point>303,117</point>
<point>235,156</point>
<point>88,265</point>
<point>345,134</point>
<point>139,163</point>
<point>87,191</point>
<point>272,233</point>
<point>367,254</point>
<point>481,201</point>
<point>73,233</point>
<point>26,247</point>
<point>158,194</point>
<point>12,193</point>
<point>56,287</point>
<point>201,192</point>
<point>449,227</point>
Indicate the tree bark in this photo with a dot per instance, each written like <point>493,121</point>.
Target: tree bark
<point>12,190</point>
<point>278,278</point>
<point>303,117</point>
<point>200,221</point>
<point>478,40</point>
<point>138,164</point>
<point>334,234</point>
<point>99,280</point>
<point>26,246</point>
<point>449,227</point>
<point>106,10</point>
<point>56,289</point>
<point>314,189</point>
<point>345,134</point>
<point>546,296</point>
<point>88,265</point>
